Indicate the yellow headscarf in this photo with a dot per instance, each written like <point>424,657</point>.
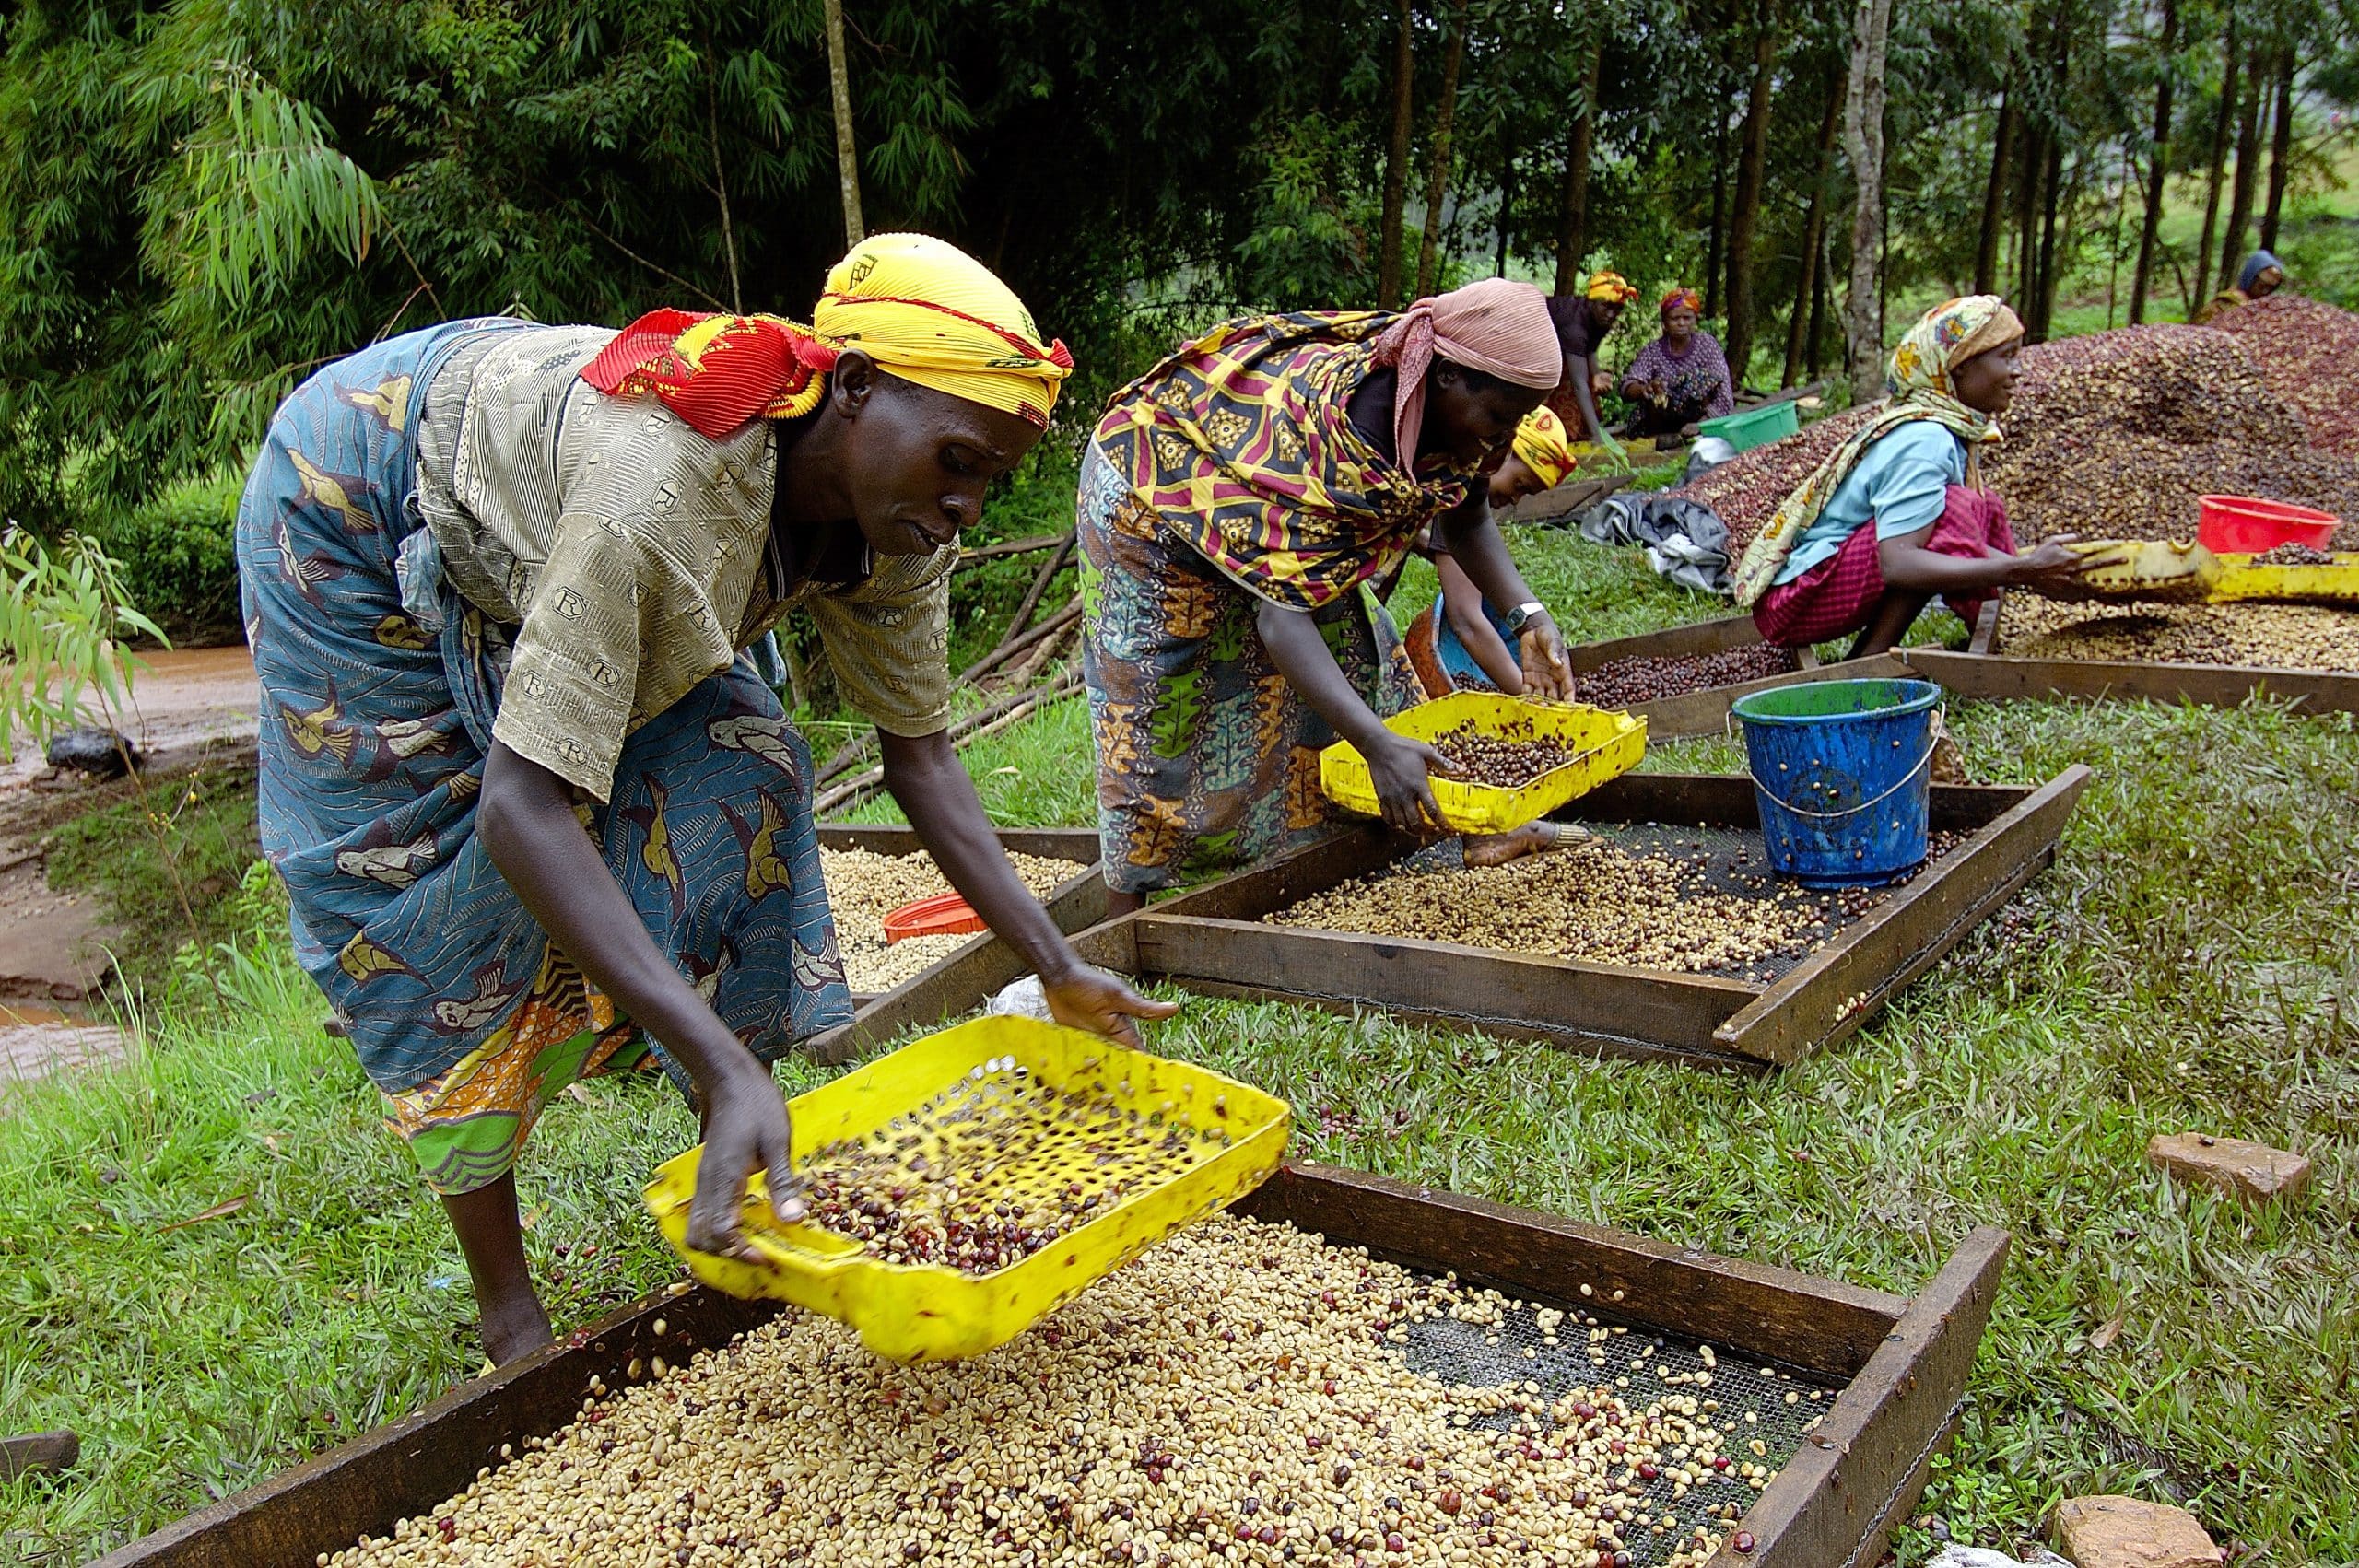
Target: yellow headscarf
<point>1607,285</point>
<point>920,308</point>
<point>1540,442</point>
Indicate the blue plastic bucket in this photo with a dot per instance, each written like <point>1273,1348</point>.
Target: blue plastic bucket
<point>1843,773</point>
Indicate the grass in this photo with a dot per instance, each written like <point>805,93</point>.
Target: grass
<point>2185,963</point>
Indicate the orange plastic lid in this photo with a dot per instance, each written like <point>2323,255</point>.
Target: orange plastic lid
<point>945,914</point>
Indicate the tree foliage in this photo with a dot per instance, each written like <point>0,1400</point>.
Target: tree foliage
<point>202,200</point>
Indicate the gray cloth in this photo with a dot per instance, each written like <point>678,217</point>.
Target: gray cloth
<point>1685,540</point>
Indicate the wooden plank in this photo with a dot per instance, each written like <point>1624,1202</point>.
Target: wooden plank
<point>1078,845</point>
<point>1705,711</point>
<point>2000,677</point>
<point>1494,1028</point>
<point>1445,980</point>
<point>39,1451</point>
<point>1672,643</point>
<point>1293,876</point>
<point>1985,625</point>
<point>1837,989</point>
<point>365,1485</point>
<point>1836,1501</point>
<point>1829,1330</point>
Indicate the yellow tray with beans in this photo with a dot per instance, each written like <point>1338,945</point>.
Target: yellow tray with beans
<point>1521,760</point>
<point>969,1184</point>
<point>2176,570</point>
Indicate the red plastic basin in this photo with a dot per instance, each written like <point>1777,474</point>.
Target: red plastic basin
<point>945,914</point>
<point>2240,524</point>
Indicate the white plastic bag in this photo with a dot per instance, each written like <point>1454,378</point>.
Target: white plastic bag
<point>1022,999</point>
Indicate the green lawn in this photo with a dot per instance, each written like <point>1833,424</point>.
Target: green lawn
<point>2186,964</point>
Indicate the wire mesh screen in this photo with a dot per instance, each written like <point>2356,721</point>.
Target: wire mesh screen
<point>1763,1411</point>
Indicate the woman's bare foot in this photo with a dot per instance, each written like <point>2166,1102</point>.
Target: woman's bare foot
<point>1533,838</point>
<point>515,1327</point>
<point>513,1321</point>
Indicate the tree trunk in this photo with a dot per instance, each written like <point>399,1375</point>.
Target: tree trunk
<point>1994,194</point>
<point>846,156</point>
<point>2248,167</point>
<point>1437,179</point>
<point>1751,163</point>
<point>1396,162</point>
<point>1506,210</point>
<point>1805,311</point>
<point>1713,248</point>
<point>2052,191</point>
<point>2158,170</point>
<point>1819,307</point>
<point>1572,223</point>
<point>2280,149</point>
<point>1863,144</point>
<point>2221,127</point>
<point>2033,159</point>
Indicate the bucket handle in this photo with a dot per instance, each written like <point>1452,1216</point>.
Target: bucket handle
<point>1933,743</point>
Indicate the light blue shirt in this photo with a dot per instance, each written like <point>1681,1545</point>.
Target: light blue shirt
<point>1901,485</point>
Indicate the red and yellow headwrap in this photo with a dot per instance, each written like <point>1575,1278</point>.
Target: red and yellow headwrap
<point>1540,441</point>
<point>1678,297</point>
<point>1605,285</point>
<point>920,308</point>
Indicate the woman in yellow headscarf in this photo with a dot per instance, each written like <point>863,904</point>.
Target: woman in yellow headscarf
<point>534,808</point>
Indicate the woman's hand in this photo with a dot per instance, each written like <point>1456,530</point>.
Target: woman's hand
<point>2051,562</point>
<point>1093,999</point>
<point>1398,766</point>
<point>1546,675</point>
<point>746,1131</point>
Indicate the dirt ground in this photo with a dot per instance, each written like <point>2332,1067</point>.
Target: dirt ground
<point>188,707</point>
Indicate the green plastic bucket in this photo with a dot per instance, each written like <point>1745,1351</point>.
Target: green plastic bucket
<point>1756,427</point>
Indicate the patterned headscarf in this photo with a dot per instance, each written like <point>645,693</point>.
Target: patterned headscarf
<point>1679,297</point>
<point>1917,383</point>
<point>920,308</point>
<point>1497,326</point>
<point>1540,440</point>
<point>1606,285</point>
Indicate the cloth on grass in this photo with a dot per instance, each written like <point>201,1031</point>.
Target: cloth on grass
<point>1839,595</point>
<point>1685,540</point>
<point>638,555</point>
<point>373,736</point>
<point>1206,756</point>
<point>1497,326</point>
<point>919,308</point>
<point>1242,447</point>
<point>1918,380</point>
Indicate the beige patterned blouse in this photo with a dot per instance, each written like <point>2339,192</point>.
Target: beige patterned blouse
<point>631,552</point>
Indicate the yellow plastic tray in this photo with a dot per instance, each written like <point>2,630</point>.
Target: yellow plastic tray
<point>1608,745</point>
<point>2180,570</point>
<point>933,1312</point>
<point>2238,578</point>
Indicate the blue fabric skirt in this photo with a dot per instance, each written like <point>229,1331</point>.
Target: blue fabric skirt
<point>376,718</point>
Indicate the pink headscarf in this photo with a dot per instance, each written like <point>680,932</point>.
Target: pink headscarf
<point>1497,326</point>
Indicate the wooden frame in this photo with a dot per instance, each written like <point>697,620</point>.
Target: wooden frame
<point>1705,712</point>
<point>960,980</point>
<point>1898,1366</point>
<point>1212,941</point>
<point>2000,677</point>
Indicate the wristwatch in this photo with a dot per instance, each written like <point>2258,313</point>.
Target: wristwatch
<point>1521,615</point>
